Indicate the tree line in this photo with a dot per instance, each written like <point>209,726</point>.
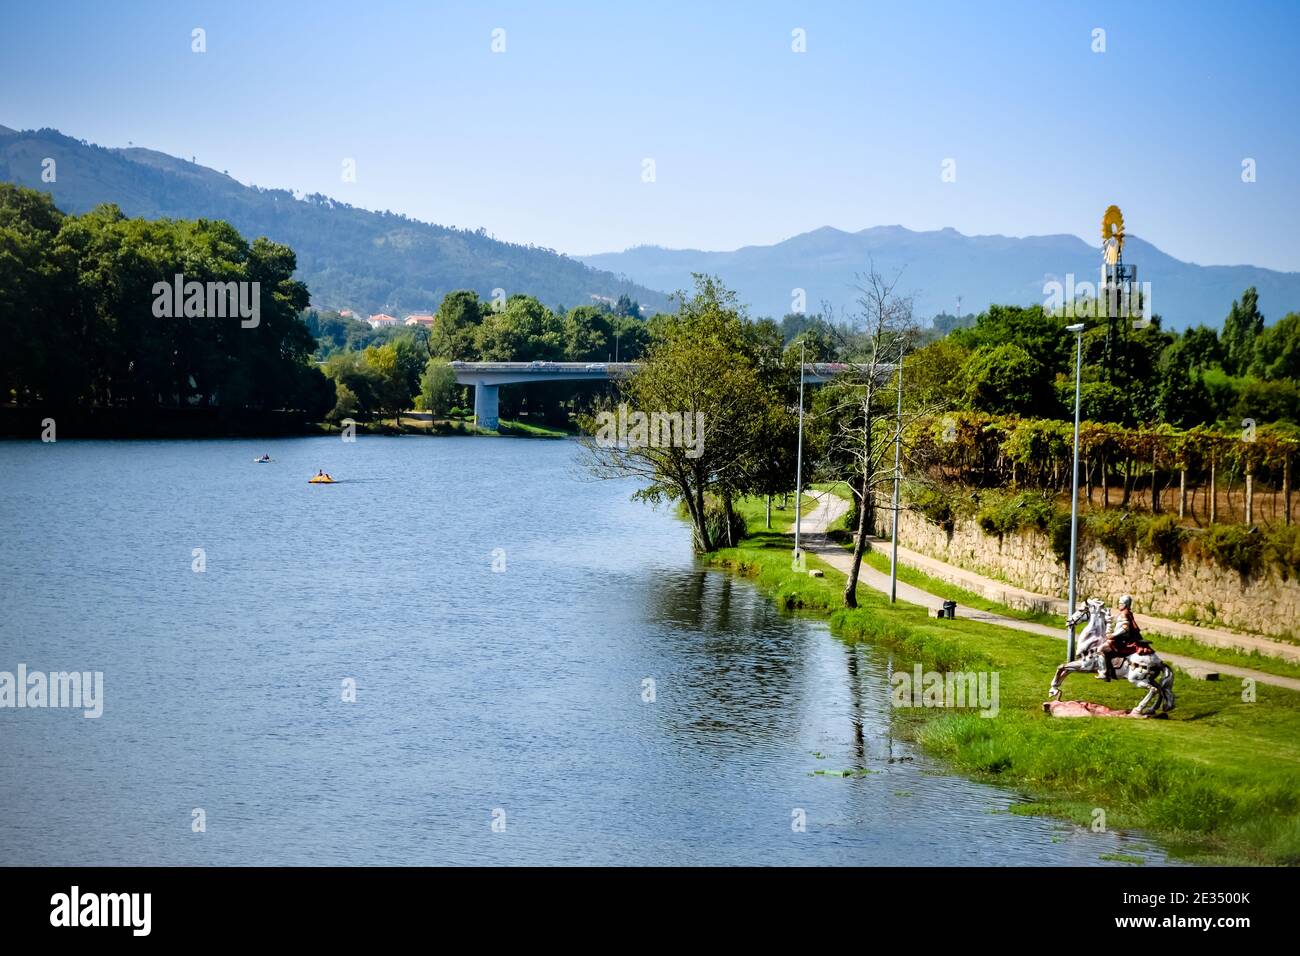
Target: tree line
<point>381,372</point>
<point>79,326</point>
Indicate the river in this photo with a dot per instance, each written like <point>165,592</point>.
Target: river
<point>500,616</point>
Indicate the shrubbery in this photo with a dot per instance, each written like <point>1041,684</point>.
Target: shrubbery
<point>1249,551</point>
<point>1001,514</point>
<point>1163,537</point>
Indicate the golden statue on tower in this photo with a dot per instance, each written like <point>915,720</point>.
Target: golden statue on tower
<point>1112,235</point>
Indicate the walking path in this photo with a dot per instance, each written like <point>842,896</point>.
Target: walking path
<point>831,506</point>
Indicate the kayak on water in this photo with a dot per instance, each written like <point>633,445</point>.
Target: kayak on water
<point>263,461</point>
<point>320,480</point>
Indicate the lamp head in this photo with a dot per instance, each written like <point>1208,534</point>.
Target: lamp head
<point>1077,327</point>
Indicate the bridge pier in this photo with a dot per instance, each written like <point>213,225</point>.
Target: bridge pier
<point>485,406</point>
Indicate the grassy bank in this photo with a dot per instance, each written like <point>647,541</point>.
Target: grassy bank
<point>1218,782</point>
<point>754,511</point>
<point>453,426</point>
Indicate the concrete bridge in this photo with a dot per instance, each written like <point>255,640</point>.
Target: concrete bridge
<point>487,377</point>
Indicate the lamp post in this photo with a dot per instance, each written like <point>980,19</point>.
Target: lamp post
<point>898,454</point>
<point>1077,329</point>
<point>798,468</point>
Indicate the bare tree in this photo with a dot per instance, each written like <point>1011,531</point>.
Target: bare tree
<point>864,426</point>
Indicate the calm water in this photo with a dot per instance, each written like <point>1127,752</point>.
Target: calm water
<point>477,692</point>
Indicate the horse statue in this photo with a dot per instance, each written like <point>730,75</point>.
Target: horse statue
<point>1142,668</point>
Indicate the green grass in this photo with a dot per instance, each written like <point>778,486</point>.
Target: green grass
<point>754,510</point>
<point>840,488</point>
<point>879,559</point>
<point>1218,782</point>
<point>1190,647</point>
<point>530,430</point>
<point>456,426</point>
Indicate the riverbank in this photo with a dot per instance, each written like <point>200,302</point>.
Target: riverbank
<point>417,423</point>
<point>184,423</point>
<point>1218,782</point>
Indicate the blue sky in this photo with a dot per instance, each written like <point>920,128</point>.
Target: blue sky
<point>752,142</point>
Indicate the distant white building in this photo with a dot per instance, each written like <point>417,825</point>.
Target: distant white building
<point>420,318</point>
<point>382,320</point>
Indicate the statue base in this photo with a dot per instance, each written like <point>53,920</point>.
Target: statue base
<point>1085,708</point>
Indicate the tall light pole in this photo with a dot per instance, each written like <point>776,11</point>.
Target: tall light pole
<point>798,468</point>
<point>898,458</point>
<point>1077,329</point>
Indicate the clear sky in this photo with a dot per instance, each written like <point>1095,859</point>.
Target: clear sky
<point>751,142</point>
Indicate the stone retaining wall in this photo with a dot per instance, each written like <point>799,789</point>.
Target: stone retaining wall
<point>1196,590</point>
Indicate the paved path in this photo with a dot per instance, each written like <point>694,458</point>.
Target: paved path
<point>831,506</point>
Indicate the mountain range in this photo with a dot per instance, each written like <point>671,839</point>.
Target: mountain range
<point>940,265</point>
<point>382,261</point>
<point>349,257</point>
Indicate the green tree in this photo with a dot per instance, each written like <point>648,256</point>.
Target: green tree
<point>455,325</point>
<point>1030,329</point>
<point>701,364</point>
<point>588,334</point>
<point>524,330</point>
<point>393,388</point>
<point>1240,330</point>
<point>1277,349</point>
<point>438,388</point>
<point>1006,379</point>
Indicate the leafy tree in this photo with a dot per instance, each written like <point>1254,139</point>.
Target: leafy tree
<point>524,330</point>
<point>391,376</point>
<point>456,324</point>
<point>81,323</point>
<point>1201,348</point>
<point>1277,349</point>
<point>1182,398</point>
<point>588,334</point>
<point>1006,379</point>
<point>702,362</point>
<point>438,388</point>
<point>1275,401</point>
<point>934,373</point>
<point>1030,329</point>
<point>1240,330</point>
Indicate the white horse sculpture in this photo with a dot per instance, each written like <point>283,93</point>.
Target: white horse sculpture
<point>1147,671</point>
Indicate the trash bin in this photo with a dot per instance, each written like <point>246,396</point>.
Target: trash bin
<point>950,609</point>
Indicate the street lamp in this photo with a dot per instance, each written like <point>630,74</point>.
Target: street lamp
<point>898,457</point>
<point>1077,329</point>
<point>798,468</point>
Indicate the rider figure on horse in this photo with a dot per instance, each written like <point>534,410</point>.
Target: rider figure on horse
<point>1125,639</point>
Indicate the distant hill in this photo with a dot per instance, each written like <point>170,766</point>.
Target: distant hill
<point>349,257</point>
<point>944,264</point>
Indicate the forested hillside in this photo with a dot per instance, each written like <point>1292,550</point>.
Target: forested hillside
<point>350,258</point>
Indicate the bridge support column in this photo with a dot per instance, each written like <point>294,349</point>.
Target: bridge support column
<point>485,406</point>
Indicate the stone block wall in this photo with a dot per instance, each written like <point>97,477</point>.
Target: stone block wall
<point>1196,590</point>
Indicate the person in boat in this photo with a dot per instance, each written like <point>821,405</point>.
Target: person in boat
<point>1124,639</point>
